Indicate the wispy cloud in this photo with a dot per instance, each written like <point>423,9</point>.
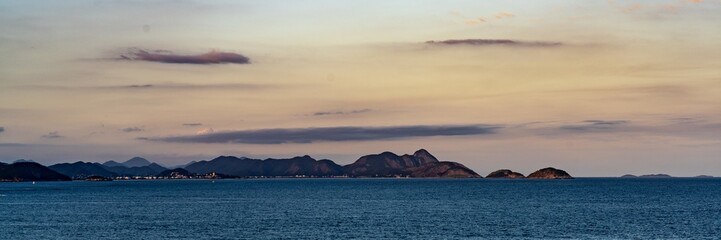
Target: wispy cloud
<point>140,86</point>
<point>595,125</point>
<point>494,42</point>
<point>53,134</point>
<point>675,127</point>
<point>330,134</point>
<point>341,112</point>
<point>132,129</point>
<point>480,19</point>
<point>467,20</point>
<point>161,86</point>
<point>192,124</point>
<point>502,15</point>
<point>179,86</point>
<point>474,21</point>
<point>164,56</point>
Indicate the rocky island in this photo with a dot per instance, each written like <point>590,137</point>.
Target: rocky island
<point>386,164</point>
<point>420,164</point>
<point>505,173</point>
<point>550,173</point>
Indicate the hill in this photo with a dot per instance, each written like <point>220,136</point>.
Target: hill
<point>29,171</point>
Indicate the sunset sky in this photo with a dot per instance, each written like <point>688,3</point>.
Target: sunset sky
<point>597,88</point>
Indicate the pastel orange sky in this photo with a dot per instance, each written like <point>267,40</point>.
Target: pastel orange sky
<point>597,88</point>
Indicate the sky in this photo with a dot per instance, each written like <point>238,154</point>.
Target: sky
<point>597,88</point>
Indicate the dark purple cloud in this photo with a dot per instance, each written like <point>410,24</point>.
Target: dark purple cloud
<point>132,129</point>
<point>53,134</point>
<point>330,134</point>
<point>141,86</point>
<point>494,42</point>
<point>596,125</point>
<point>2,129</point>
<point>192,124</point>
<point>341,112</point>
<point>164,56</point>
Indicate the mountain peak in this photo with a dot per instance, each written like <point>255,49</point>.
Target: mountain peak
<point>425,156</point>
<point>388,153</point>
<point>137,162</point>
<point>22,160</point>
<point>112,163</point>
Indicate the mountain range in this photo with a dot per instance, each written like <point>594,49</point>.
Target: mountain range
<point>420,164</point>
<point>136,166</point>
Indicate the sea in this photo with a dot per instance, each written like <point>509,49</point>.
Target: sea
<point>583,208</point>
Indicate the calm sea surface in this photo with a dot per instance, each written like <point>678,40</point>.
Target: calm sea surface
<point>591,208</point>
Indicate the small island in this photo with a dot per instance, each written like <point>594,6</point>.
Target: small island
<point>550,173</point>
<point>704,176</point>
<point>505,173</point>
<point>657,175</point>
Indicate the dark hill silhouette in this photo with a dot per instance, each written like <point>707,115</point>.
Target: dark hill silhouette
<point>174,173</point>
<point>550,173</point>
<point>657,175</point>
<point>110,169</point>
<point>136,162</point>
<point>149,170</point>
<point>29,171</point>
<point>243,167</point>
<point>133,162</point>
<point>82,170</point>
<point>112,163</point>
<point>442,169</point>
<point>505,173</point>
<point>386,164</point>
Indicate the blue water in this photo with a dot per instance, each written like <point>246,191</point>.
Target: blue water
<point>593,208</point>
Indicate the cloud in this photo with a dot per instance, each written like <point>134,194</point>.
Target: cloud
<point>330,134</point>
<point>494,42</point>
<point>205,131</point>
<point>341,112</point>
<point>192,124</point>
<point>179,86</point>
<point>140,86</point>
<point>480,19</point>
<point>2,129</point>
<point>148,87</point>
<point>595,125</point>
<point>164,56</point>
<point>504,15</point>
<point>682,127</point>
<point>132,129</point>
<point>467,20</point>
<point>474,21</point>
<point>52,135</point>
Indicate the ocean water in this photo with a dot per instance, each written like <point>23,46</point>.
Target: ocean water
<point>586,208</point>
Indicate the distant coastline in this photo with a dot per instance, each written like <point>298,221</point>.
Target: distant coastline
<point>420,164</point>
